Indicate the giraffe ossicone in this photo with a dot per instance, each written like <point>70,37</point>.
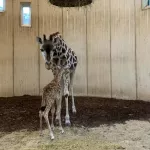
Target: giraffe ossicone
<point>56,53</point>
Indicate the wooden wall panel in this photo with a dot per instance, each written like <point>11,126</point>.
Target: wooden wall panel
<point>103,36</point>
<point>143,51</point>
<point>26,66</point>
<point>50,21</point>
<point>98,45</point>
<point>123,49</point>
<point>74,33</point>
<point>6,55</point>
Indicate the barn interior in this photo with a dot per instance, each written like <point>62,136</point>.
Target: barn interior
<point>112,80</point>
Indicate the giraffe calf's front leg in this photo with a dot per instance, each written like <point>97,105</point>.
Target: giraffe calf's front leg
<point>53,113</point>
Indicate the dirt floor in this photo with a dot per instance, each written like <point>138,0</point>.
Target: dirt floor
<point>100,124</point>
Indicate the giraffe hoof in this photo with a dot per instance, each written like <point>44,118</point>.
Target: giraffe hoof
<point>67,123</point>
<point>52,137</point>
<point>74,110</point>
<point>62,131</point>
<point>41,134</point>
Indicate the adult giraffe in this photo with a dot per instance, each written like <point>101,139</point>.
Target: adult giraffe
<point>56,53</point>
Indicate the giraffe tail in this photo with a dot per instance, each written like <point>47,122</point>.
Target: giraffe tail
<point>43,104</point>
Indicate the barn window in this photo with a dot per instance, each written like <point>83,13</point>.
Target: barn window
<point>70,3</point>
<point>26,14</point>
<point>145,4</point>
<point>2,5</point>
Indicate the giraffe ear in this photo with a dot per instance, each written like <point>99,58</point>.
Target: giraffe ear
<point>56,40</point>
<point>39,40</point>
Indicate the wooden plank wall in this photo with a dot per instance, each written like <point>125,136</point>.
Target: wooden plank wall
<point>111,39</point>
<point>26,68</point>
<point>98,47</point>
<point>143,51</point>
<point>123,49</point>
<point>6,54</point>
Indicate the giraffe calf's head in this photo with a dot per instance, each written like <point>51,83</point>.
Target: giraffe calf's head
<point>47,47</point>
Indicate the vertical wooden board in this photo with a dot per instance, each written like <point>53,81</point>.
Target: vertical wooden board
<point>74,33</point>
<point>26,66</point>
<point>50,21</point>
<point>98,45</point>
<point>143,51</point>
<point>123,49</point>
<point>6,55</point>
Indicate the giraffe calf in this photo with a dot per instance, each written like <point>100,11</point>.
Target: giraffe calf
<point>51,94</point>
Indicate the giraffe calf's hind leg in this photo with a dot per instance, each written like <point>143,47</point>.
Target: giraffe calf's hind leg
<point>48,124</point>
<point>53,113</point>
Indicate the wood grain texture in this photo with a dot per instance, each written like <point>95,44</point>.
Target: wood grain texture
<point>143,51</point>
<point>26,66</point>
<point>123,49</point>
<point>98,46</point>
<point>74,33</point>
<point>6,55</point>
<point>113,50</point>
<point>50,21</point>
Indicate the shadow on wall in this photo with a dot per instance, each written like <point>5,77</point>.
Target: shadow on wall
<point>22,112</point>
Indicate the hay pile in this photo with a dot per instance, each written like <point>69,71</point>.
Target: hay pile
<point>70,3</point>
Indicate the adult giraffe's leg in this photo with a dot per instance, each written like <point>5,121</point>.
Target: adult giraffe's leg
<point>71,89</point>
<point>66,78</point>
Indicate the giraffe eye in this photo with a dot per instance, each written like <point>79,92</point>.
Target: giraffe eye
<point>42,50</point>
